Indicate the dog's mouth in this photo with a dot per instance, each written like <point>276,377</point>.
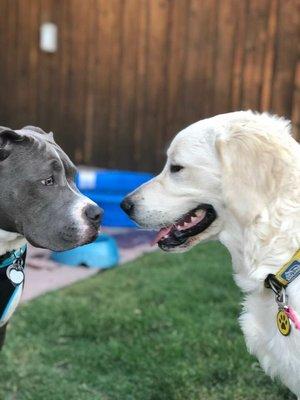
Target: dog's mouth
<point>190,224</point>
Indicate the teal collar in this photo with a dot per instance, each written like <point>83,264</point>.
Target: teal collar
<point>11,256</point>
<point>12,277</point>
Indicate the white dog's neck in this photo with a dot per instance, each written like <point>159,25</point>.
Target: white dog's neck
<point>232,237</point>
<point>10,241</point>
<point>260,249</point>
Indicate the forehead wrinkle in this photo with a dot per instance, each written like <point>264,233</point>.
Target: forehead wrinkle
<point>36,139</point>
<point>47,158</point>
<point>65,166</point>
<point>37,144</point>
<point>67,163</point>
<point>49,151</point>
<point>57,158</point>
<point>48,164</point>
<point>41,146</point>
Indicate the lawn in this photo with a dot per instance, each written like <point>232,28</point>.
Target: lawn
<point>161,328</point>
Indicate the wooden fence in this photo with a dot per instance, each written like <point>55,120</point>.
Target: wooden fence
<point>128,74</point>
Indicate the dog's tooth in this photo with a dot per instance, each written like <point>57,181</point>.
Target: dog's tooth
<point>199,213</point>
<point>185,224</point>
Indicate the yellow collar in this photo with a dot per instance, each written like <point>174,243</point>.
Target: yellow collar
<point>290,270</point>
<point>287,273</point>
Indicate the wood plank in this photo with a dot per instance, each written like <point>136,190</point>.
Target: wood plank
<point>108,17</point>
<point>4,40</point>
<point>114,99</point>
<point>256,39</point>
<point>127,91</point>
<point>79,26</point>
<point>239,54</point>
<point>90,127</point>
<point>224,53</point>
<point>48,75</point>
<point>176,75</point>
<point>157,39</point>
<point>295,117</point>
<point>286,57</point>
<point>141,89</point>
<point>8,81</point>
<point>63,123</point>
<point>268,70</point>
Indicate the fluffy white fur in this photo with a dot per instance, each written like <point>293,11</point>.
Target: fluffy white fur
<point>247,165</point>
<point>10,241</point>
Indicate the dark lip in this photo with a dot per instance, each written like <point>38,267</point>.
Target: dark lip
<point>178,238</point>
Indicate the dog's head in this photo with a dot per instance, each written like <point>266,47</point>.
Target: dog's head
<point>38,198</point>
<point>221,168</point>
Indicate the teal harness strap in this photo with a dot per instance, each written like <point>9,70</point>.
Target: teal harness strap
<point>9,258</point>
<point>11,281</point>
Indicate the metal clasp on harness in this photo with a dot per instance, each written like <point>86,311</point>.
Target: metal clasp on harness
<point>280,294</point>
<point>282,299</point>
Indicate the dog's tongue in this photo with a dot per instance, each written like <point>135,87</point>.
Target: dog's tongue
<point>163,232</point>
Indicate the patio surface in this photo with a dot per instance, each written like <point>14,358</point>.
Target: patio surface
<point>44,275</point>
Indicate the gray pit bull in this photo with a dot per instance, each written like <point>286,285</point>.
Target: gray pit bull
<point>39,202</point>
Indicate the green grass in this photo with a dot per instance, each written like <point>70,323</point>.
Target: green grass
<point>161,328</point>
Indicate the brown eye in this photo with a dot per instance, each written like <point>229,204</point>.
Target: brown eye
<point>48,182</point>
<point>175,168</point>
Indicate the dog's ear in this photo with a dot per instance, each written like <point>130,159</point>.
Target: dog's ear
<point>254,165</point>
<point>39,130</point>
<point>35,129</point>
<point>7,135</point>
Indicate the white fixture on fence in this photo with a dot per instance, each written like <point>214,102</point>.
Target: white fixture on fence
<point>48,37</point>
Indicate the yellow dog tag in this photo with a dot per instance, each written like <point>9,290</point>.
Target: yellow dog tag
<point>283,323</point>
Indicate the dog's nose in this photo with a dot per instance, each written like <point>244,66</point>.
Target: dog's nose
<point>93,213</point>
<point>127,205</point>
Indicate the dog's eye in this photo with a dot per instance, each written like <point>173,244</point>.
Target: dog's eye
<point>49,181</point>
<point>176,168</point>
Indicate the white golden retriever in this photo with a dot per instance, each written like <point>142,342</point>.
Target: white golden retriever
<point>236,178</point>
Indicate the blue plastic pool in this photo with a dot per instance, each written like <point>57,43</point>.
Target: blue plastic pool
<point>107,188</point>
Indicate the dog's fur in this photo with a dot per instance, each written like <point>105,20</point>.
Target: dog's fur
<point>247,165</point>
<point>39,202</point>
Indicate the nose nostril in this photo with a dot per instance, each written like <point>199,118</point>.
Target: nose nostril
<point>127,205</point>
<point>93,213</point>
